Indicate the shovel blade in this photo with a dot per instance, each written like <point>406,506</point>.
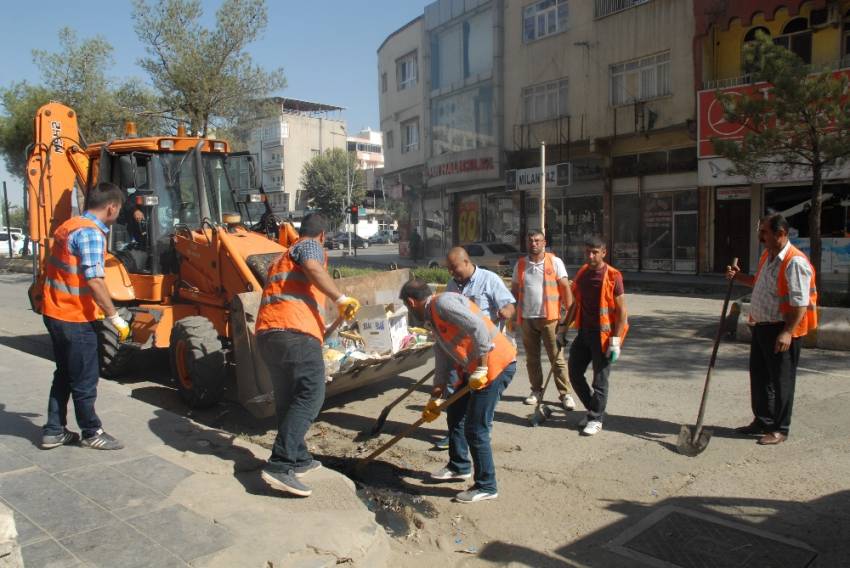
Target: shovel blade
<point>379,423</point>
<point>540,415</point>
<point>687,446</point>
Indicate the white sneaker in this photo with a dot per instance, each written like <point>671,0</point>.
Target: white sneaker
<point>593,427</point>
<point>446,474</point>
<point>533,398</point>
<point>568,402</point>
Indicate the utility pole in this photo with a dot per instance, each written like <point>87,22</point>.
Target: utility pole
<point>543,188</point>
<point>6,216</point>
<point>348,193</point>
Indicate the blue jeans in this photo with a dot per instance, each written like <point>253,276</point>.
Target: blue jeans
<point>297,370</point>
<point>76,375</point>
<point>470,421</point>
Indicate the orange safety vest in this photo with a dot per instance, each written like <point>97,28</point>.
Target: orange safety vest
<point>607,305</point>
<point>67,296</point>
<point>458,343</point>
<point>290,301</point>
<point>810,321</point>
<point>551,292</point>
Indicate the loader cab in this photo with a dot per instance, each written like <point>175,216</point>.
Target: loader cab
<point>163,193</point>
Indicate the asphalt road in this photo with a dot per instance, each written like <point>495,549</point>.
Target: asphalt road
<point>565,500</point>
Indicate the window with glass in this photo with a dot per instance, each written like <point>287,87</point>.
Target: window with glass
<point>640,79</point>
<point>502,223</point>
<point>797,38</point>
<point>626,231</point>
<point>410,135</point>
<point>544,18</point>
<point>545,101</point>
<point>463,50</point>
<point>406,71</point>
<point>463,120</point>
<point>388,139</point>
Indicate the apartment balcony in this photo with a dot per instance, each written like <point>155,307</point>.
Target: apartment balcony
<point>273,143</point>
<point>746,79</point>
<point>272,165</point>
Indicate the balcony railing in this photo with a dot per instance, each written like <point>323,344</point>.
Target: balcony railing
<point>602,8</point>
<point>746,79</point>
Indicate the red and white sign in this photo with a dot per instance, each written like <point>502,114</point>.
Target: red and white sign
<point>712,124</point>
<point>730,193</point>
<point>462,167</point>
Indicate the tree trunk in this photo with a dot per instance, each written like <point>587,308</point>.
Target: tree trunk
<point>815,217</point>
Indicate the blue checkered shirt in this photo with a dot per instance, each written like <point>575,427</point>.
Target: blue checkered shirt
<point>88,245</point>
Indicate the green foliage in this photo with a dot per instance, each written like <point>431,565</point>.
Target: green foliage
<point>325,179</point>
<point>75,75</point>
<point>802,127</point>
<point>432,275</point>
<point>350,271</point>
<point>205,76</point>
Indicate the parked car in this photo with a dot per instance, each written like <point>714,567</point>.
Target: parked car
<point>384,237</point>
<point>17,244</point>
<point>339,241</point>
<point>495,256</point>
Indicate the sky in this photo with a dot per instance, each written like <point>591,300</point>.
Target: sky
<point>328,50</point>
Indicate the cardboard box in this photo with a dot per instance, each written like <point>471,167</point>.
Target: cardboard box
<point>382,332</point>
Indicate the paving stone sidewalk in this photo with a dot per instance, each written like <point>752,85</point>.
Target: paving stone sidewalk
<point>179,494</point>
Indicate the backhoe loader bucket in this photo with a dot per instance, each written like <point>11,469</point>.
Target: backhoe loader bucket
<point>253,382</point>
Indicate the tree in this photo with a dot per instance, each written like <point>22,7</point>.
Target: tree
<point>801,126</point>
<point>76,76</point>
<point>325,178</point>
<point>206,77</point>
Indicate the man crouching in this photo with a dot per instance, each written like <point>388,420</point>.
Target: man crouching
<point>486,361</point>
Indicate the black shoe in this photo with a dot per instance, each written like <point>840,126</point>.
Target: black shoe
<point>300,472</point>
<point>49,441</point>
<point>286,481</point>
<point>754,428</point>
<point>102,441</point>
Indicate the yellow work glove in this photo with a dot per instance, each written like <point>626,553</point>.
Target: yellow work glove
<point>347,306</point>
<point>121,326</point>
<point>478,379</point>
<point>432,410</point>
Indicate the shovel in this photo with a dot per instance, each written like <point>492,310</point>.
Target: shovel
<point>407,431</point>
<point>694,443</point>
<point>541,411</point>
<point>382,419</point>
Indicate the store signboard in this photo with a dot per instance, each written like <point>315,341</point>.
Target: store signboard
<point>557,175</point>
<point>463,167</point>
<point>731,193</point>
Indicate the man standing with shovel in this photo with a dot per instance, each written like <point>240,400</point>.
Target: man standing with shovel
<point>602,322</point>
<point>782,311</point>
<point>487,362</point>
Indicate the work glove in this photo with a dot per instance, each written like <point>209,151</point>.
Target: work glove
<point>121,326</point>
<point>432,410</point>
<point>614,349</point>
<point>347,306</point>
<point>561,337</point>
<point>478,378</point>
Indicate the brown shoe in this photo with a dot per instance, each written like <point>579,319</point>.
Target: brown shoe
<point>772,439</point>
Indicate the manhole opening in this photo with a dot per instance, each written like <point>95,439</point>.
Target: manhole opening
<point>686,539</point>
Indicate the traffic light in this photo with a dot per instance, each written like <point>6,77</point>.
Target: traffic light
<point>355,214</point>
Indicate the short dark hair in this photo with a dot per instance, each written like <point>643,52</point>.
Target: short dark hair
<point>594,242</point>
<point>416,289</point>
<point>103,194</point>
<point>775,222</point>
<point>313,225</point>
<point>535,232</point>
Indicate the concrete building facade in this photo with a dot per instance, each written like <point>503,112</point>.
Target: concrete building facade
<point>608,85</point>
<point>818,32</point>
<point>283,143</point>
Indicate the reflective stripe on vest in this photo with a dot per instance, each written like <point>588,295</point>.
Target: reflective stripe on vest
<point>607,305</point>
<point>290,301</point>
<point>67,295</point>
<point>551,296</point>
<point>459,344</point>
<point>810,319</point>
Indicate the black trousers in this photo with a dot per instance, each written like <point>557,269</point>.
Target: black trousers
<point>587,350</point>
<point>772,378</point>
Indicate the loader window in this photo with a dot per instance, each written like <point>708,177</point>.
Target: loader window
<point>178,202</point>
<point>219,191</point>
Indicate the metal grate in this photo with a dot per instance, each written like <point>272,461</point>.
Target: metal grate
<point>676,537</point>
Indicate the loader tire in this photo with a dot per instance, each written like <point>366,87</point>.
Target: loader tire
<point>198,362</point>
<point>116,358</point>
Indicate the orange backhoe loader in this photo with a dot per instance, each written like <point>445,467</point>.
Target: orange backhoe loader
<point>181,264</point>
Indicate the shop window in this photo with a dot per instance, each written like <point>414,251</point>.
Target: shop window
<point>502,223</point>
<point>626,232</point>
<point>797,38</point>
<point>670,228</point>
<point>544,18</point>
<point>568,223</point>
<point>794,204</point>
<point>624,166</point>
